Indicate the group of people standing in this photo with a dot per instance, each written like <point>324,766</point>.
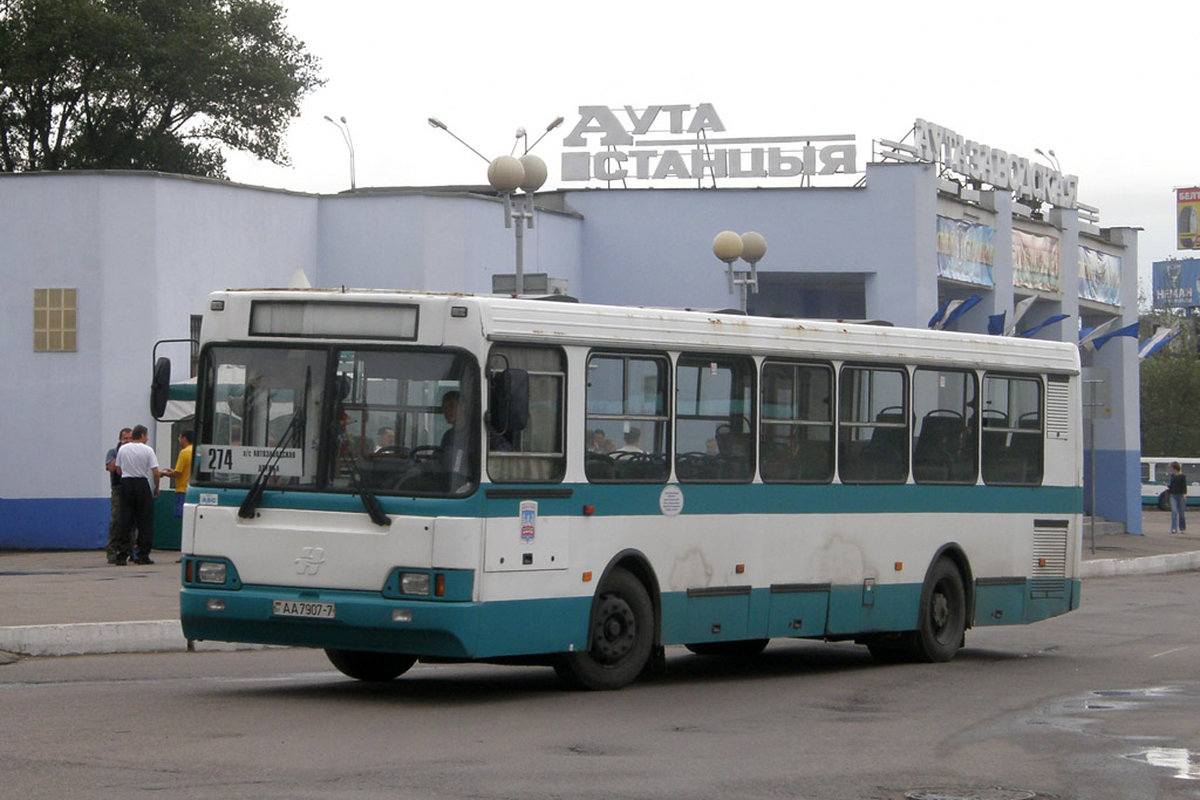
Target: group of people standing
<point>134,475</point>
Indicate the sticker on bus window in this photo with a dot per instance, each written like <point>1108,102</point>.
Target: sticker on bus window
<point>670,500</point>
<point>528,520</point>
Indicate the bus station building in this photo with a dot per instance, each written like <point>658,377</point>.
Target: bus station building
<point>934,231</point>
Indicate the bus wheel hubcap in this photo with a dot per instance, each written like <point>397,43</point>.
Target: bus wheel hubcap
<point>939,612</point>
<point>615,630</point>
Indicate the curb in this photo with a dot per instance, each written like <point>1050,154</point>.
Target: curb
<point>1146,565</point>
<point>95,638</point>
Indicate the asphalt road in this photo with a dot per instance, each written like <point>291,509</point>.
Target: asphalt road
<point>1102,703</point>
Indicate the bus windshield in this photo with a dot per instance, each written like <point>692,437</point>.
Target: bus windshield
<point>338,419</point>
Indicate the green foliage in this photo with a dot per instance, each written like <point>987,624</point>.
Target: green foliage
<point>1170,388</point>
<point>146,84</point>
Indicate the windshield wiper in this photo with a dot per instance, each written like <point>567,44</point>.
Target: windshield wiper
<point>370,501</point>
<point>294,430</point>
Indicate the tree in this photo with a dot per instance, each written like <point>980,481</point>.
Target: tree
<point>1170,388</point>
<point>146,84</point>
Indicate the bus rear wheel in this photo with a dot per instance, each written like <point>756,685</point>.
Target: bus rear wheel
<point>943,612</point>
<point>366,666</point>
<point>942,621</point>
<point>620,636</point>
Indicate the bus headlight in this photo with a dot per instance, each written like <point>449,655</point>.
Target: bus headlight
<point>210,572</point>
<point>414,583</point>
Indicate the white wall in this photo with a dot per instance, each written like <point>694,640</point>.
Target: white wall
<point>143,251</point>
<point>436,242</point>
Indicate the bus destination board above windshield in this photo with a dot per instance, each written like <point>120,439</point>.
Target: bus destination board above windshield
<point>325,320</point>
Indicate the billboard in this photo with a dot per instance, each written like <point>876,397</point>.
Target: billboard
<point>1187,211</point>
<point>1175,283</point>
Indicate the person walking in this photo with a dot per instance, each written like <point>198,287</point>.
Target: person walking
<point>1177,494</point>
<point>139,486</point>
<point>120,542</point>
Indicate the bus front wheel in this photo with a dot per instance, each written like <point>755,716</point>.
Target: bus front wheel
<point>374,667</point>
<point>620,636</point>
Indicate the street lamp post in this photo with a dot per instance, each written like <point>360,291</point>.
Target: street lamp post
<point>1051,159</point>
<point>344,129</point>
<point>750,247</point>
<point>507,174</point>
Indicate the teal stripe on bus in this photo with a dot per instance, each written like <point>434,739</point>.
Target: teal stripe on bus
<point>699,499</point>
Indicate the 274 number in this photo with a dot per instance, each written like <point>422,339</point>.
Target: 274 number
<point>220,459</point>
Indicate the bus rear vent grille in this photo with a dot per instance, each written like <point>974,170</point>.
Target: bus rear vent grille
<point>1058,418</point>
<point>1049,563</point>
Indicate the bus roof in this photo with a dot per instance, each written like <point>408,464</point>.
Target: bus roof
<point>532,320</point>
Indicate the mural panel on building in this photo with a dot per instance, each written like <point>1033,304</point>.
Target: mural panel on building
<point>966,251</point>
<point>1035,262</point>
<point>1099,276</point>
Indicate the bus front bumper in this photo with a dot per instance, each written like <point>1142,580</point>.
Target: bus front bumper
<point>368,621</point>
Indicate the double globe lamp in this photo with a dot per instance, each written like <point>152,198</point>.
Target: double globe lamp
<point>750,247</point>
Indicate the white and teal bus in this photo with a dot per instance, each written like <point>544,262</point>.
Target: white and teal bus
<point>394,476</point>
<point>1156,471</point>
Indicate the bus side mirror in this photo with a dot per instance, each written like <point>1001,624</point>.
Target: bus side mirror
<point>160,387</point>
<point>508,400</point>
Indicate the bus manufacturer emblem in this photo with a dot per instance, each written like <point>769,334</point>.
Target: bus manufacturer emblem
<point>310,560</point>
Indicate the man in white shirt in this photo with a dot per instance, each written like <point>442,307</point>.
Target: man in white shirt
<point>139,486</point>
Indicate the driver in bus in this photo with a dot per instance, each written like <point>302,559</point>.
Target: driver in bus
<point>456,442</point>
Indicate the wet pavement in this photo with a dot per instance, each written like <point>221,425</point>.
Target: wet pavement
<point>72,602</point>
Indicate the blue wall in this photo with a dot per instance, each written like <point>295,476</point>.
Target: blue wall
<point>1118,495</point>
<point>57,523</point>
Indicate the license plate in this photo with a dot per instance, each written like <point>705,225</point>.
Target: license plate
<point>302,608</point>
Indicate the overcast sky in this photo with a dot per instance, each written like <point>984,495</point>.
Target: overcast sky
<point>1114,91</point>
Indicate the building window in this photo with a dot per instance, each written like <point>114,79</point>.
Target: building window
<point>54,321</point>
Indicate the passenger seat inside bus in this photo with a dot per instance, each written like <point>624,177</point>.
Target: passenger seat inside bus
<point>938,451</point>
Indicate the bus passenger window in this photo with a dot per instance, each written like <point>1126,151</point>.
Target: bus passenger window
<point>626,438</point>
<point>945,432</point>
<point>714,435</point>
<point>796,440</point>
<point>872,426</point>
<point>536,453</point>
<point>1012,431</point>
